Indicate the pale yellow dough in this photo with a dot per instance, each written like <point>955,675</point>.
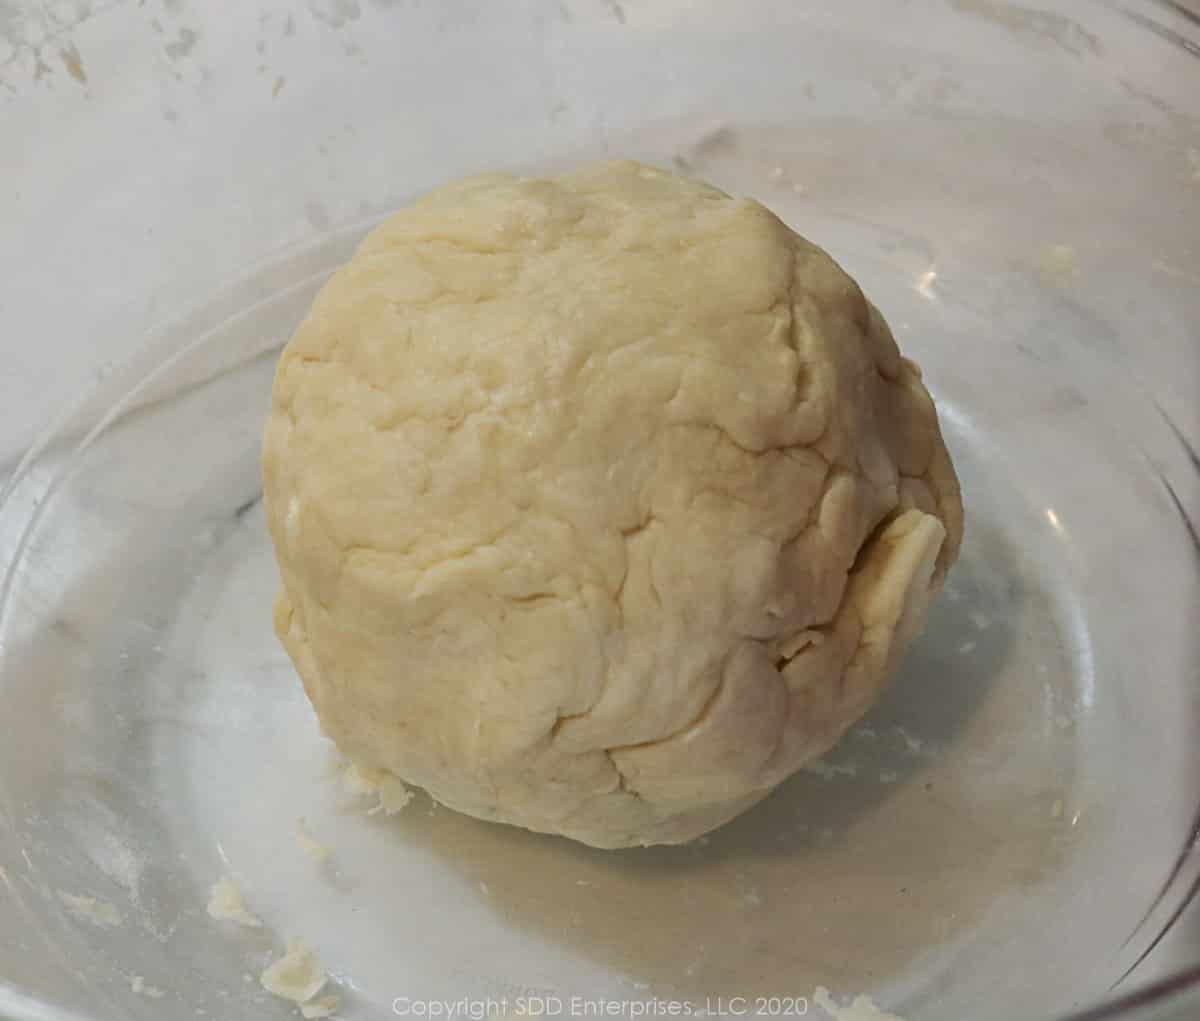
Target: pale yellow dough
<point>602,503</point>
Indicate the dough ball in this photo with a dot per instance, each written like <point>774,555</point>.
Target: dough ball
<point>602,503</point>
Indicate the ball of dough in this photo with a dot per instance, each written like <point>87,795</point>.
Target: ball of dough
<point>602,503</point>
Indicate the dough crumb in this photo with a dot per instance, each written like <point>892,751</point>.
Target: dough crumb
<point>323,1007</point>
<point>861,1008</point>
<point>1056,263</point>
<point>320,853</point>
<point>296,976</point>
<point>392,792</point>
<point>90,909</point>
<point>225,904</point>
<point>394,795</point>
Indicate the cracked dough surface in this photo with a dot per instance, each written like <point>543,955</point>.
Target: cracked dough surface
<point>602,503</point>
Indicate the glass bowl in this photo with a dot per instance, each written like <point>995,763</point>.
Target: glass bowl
<point>1008,834</point>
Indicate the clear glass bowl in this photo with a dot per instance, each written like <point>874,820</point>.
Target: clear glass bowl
<point>1007,835</point>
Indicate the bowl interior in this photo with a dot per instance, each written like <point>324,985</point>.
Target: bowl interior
<point>1013,190</point>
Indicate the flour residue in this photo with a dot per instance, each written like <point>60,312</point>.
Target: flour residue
<point>335,13</point>
<point>183,45</point>
<point>91,909</point>
<point>139,986</point>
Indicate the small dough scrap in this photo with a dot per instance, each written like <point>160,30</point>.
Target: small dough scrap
<point>225,904</point>
<point>296,976</point>
<point>602,503</point>
<point>324,1006</point>
<point>861,1008</point>
<point>391,792</point>
<point>394,795</point>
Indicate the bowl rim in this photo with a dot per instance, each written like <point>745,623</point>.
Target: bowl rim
<point>1174,989</point>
